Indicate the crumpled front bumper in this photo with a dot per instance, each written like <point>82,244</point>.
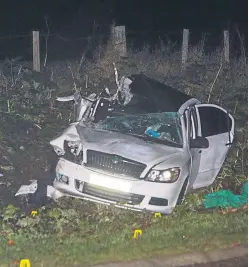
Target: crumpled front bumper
<point>122,192</point>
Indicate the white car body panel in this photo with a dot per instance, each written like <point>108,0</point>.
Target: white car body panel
<point>75,171</point>
<point>198,166</point>
<point>212,158</point>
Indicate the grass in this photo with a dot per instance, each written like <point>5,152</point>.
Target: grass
<point>92,241</point>
<point>78,232</point>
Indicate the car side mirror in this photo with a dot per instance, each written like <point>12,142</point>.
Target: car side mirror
<point>199,142</point>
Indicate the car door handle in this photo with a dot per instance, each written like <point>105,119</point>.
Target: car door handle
<point>228,144</point>
<point>200,151</point>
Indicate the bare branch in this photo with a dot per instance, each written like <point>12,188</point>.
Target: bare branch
<point>46,43</point>
<point>216,77</point>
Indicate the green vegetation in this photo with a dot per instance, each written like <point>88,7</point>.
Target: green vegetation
<point>78,232</point>
<point>55,237</point>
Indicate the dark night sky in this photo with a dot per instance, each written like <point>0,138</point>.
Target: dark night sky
<point>146,21</point>
<point>21,16</point>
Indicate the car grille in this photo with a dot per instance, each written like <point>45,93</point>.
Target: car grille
<point>112,195</point>
<point>114,164</point>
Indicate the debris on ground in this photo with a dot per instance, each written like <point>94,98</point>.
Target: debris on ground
<point>34,188</point>
<point>226,198</point>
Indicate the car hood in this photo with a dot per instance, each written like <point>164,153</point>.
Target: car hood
<point>124,145</point>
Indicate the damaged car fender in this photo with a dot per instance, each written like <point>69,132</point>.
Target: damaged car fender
<point>176,169</point>
<point>70,135</point>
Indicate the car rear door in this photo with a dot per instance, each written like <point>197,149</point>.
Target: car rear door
<point>217,125</point>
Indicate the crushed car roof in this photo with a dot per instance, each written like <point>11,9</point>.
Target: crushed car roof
<point>152,96</point>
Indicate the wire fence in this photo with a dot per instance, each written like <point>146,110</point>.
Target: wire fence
<point>63,47</point>
<point>59,47</point>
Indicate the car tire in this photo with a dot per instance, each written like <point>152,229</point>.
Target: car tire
<point>183,191</point>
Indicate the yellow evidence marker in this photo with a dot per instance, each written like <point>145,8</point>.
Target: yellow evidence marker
<point>137,233</point>
<point>158,215</point>
<point>33,213</point>
<point>25,263</point>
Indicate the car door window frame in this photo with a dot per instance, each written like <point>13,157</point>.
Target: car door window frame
<point>186,122</point>
<point>220,109</point>
<point>191,123</point>
<point>194,123</point>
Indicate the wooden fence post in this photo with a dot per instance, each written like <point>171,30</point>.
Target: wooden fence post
<point>118,38</point>
<point>185,39</point>
<point>36,51</point>
<point>226,46</point>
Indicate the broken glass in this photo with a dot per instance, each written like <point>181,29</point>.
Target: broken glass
<point>156,126</point>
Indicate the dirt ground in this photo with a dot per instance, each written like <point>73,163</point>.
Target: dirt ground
<point>236,262</point>
<point>25,153</point>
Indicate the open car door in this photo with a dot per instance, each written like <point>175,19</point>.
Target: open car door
<point>217,125</point>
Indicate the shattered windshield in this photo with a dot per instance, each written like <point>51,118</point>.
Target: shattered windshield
<point>162,127</point>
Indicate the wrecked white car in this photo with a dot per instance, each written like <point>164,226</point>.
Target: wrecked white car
<point>142,148</point>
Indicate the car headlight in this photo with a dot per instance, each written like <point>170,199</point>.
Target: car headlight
<point>163,176</point>
<point>75,147</point>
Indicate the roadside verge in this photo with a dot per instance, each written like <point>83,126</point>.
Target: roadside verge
<point>185,259</point>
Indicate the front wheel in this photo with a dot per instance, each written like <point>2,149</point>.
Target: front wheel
<point>182,192</point>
